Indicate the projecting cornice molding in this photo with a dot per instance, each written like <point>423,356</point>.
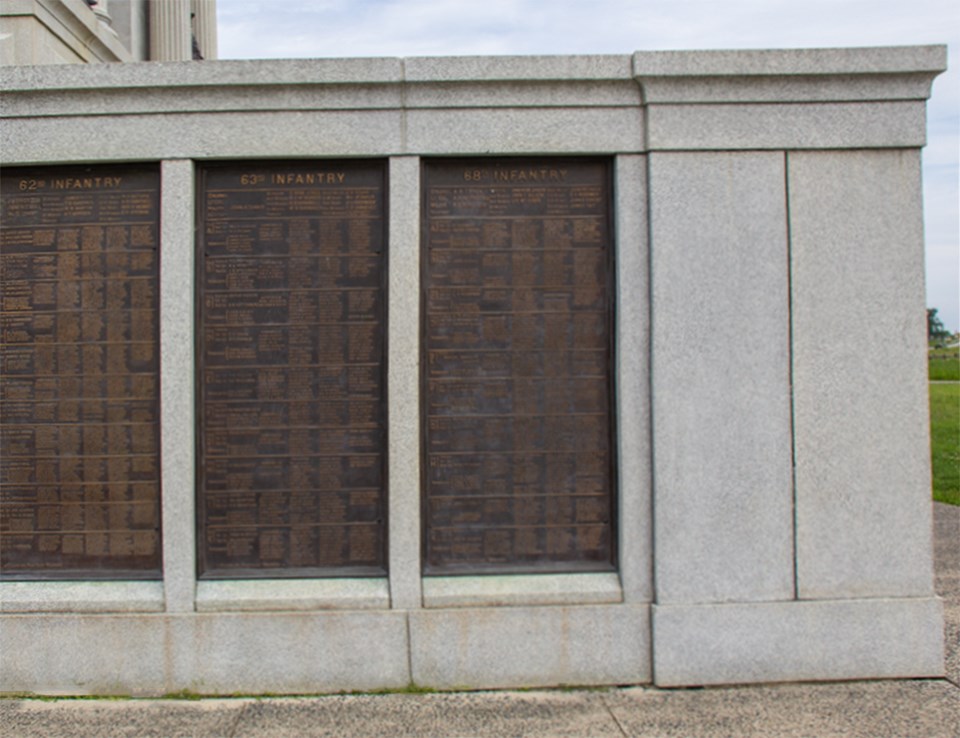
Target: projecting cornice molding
<point>648,101</point>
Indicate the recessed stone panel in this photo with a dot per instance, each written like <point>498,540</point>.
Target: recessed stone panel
<point>721,372</point>
<point>862,455</point>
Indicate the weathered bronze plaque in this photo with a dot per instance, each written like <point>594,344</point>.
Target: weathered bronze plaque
<point>291,347</point>
<point>79,423</point>
<point>517,350</point>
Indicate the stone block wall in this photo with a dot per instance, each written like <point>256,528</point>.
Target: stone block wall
<point>772,497</point>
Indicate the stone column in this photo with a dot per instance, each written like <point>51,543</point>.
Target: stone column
<point>170,30</point>
<point>403,341</point>
<point>205,26</point>
<point>103,15</point>
<point>177,402</point>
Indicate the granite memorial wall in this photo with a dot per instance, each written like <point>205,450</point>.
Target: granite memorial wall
<point>356,374</point>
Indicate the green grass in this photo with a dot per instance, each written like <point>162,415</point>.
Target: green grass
<point>944,364</point>
<point>945,441</point>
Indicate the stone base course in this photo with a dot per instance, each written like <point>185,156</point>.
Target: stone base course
<point>796,641</point>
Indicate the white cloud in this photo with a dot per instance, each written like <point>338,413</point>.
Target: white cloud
<point>253,29</point>
<point>412,27</point>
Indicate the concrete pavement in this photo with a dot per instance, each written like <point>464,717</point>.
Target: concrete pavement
<point>896,708</point>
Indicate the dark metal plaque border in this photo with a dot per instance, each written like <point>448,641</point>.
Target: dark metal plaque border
<point>544,566</point>
<point>377,168</point>
<point>103,192</point>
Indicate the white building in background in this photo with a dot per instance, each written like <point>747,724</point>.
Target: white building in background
<point>90,31</point>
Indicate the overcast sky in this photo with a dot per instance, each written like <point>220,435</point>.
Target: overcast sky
<point>283,29</point>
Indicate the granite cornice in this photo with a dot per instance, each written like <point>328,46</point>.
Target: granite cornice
<point>788,76</point>
<point>297,72</point>
<point>778,62</point>
<point>192,74</point>
<point>798,75</point>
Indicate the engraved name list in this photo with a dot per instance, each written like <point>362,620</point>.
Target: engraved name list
<point>291,369</point>
<point>518,439</point>
<point>79,463</point>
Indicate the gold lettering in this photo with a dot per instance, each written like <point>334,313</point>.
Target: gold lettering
<point>310,178</point>
<point>528,175</point>
<point>84,183</point>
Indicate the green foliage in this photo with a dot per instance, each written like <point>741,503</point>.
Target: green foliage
<point>945,441</point>
<point>935,328</point>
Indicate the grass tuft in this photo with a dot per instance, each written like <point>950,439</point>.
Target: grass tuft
<point>183,694</point>
<point>944,364</point>
<point>945,441</point>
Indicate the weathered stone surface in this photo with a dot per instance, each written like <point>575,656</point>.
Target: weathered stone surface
<point>721,378</point>
<point>797,641</point>
<point>199,135</point>
<point>292,594</point>
<point>530,646</point>
<point>859,371</point>
<point>828,125</point>
<point>177,370</point>
<point>753,63</point>
<point>632,264</point>
<point>403,382</point>
<point>524,130</point>
<point>25,597</point>
<point>215,653</point>
<point>748,244</point>
<point>510,590</point>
